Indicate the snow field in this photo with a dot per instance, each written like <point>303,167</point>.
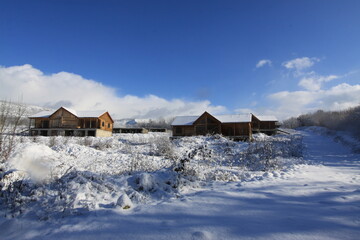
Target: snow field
<point>220,191</point>
<point>52,176</point>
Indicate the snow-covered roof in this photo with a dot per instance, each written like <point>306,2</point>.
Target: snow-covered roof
<point>90,114</point>
<point>267,118</point>
<point>69,110</point>
<point>234,118</point>
<point>184,120</point>
<point>42,114</point>
<point>80,114</point>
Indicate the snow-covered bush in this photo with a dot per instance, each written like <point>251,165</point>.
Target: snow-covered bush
<point>266,153</point>
<point>52,176</point>
<point>164,147</point>
<point>86,141</point>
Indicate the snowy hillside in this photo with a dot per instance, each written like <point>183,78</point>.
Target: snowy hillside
<point>299,186</point>
<point>29,109</point>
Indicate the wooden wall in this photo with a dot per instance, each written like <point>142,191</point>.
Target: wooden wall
<point>65,119</point>
<point>183,131</point>
<point>267,125</point>
<point>106,122</point>
<point>41,122</point>
<point>236,129</point>
<point>207,124</point>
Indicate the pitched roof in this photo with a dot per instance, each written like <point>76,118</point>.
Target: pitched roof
<point>80,114</point>
<point>234,118</point>
<point>69,110</point>
<point>42,114</point>
<point>90,114</point>
<point>184,120</point>
<point>267,118</point>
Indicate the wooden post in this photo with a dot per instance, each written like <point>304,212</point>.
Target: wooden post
<point>250,131</point>
<point>206,125</point>
<point>30,127</point>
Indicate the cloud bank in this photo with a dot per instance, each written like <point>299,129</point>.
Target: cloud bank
<point>339,97</point>
<point>315,82</point>
<point>314,95</point>
<point>74,91</point>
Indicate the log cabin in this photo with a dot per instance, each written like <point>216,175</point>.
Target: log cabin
<point>68,122</point>
<point>236,126</point>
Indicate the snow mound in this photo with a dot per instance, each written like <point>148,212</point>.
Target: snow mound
<point>36,160</point>
<point>124,201</point>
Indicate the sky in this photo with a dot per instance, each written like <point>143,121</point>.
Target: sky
<point>150,59</point>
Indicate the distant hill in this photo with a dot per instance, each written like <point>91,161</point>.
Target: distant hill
<point>29,109</point>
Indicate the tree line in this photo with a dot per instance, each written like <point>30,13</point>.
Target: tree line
<point>345,120</point>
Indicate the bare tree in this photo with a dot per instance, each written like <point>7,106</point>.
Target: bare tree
<point>11,115</point>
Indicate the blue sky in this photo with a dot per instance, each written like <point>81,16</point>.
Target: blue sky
<point>195,52</point>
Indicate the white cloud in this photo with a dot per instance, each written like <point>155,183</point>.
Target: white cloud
<point>263,62</point>
<point>299,64</point>
<point>314,83</point>
<point>74,91</point>
<point>294,103</point>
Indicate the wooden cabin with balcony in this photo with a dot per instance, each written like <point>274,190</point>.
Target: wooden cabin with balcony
<point>68,122</point>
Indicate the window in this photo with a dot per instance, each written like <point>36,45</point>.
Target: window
<point>103,124</point>
<point>108,125</point>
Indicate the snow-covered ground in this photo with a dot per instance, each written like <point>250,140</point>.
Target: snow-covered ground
<point>111,197</point>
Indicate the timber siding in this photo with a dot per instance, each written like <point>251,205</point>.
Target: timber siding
<point>236,129</point>
<point>106,123</point>
<point>207,124</point>
<point>62,118</point>
<point>264,124</point>
<point>66,122</point>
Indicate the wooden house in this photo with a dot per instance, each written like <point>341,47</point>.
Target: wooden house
<point>264,124</point>
<point>68,122</point>
<point>236,126</point>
